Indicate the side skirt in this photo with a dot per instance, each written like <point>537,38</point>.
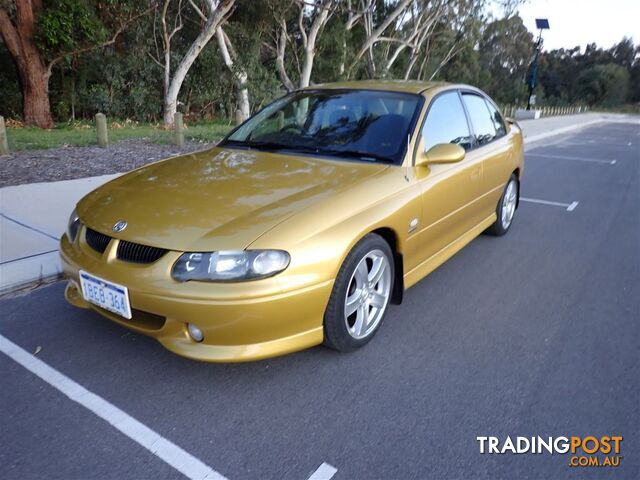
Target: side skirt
<point>430,264</point>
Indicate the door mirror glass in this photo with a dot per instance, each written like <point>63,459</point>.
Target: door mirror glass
<point>441,153</point>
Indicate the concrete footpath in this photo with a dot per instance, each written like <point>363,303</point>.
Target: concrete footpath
<point>34,216</point>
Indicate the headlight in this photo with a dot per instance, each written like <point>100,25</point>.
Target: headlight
<point>229,265</point>
<point>73,227</point>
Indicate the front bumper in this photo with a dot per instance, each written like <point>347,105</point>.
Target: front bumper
<point>240,321</point>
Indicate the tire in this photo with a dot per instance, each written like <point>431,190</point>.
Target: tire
<point>357,306</point>
<point>506,208</point>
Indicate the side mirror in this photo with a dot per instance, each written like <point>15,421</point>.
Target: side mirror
<point>441,153</point>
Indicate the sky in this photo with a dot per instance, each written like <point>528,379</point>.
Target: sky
<point>579,22</point>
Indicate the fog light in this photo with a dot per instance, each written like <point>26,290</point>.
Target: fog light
<point>195,333</point>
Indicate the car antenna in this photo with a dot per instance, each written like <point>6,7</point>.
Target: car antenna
<point>406,169</point>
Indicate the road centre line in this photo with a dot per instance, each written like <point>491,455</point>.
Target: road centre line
<point>569,206</point>
<point>565,157</point>
<point>159,446</point>
<point>324,472</point>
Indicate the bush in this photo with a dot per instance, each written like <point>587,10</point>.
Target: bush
<point>603,85</point>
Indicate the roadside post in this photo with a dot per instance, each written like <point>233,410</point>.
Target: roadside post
<point>101,129</point>
<point>532,76</point>
<point>178,126</point>
<point>4,145</point>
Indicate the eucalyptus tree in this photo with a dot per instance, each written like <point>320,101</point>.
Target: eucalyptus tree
<point>506,49</point>
<point>38,36</point>
<point>171,14</point>
<point>410,38</point>
<point>311,18</point>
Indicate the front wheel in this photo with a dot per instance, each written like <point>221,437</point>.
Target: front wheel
<point>360,295</point>
<point>506,208</point>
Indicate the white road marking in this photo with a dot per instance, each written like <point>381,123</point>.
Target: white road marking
<point>565,157</point>
<point>572,207</point>
<point>159,446</point>
<point>324,472</point>
<point>569,206</point>
<point>566,143</point>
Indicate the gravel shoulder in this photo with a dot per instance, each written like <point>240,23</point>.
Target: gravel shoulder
<point>30,166</point>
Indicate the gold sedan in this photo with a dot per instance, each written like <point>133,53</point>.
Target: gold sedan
<point>302,225</point>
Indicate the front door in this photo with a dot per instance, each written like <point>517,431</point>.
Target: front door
<point>449,191</point>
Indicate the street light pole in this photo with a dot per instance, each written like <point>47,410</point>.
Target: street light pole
<point>542,24</point>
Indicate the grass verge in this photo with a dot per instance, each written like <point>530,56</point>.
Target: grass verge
<point>83,134</point>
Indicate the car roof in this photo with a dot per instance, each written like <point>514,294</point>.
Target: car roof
<point>406,86</point>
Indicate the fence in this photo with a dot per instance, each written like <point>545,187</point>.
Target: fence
<point>510,110</point>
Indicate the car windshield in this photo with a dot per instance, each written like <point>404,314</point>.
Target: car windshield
<point>356,124</point>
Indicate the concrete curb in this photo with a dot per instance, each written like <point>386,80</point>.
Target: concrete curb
<point>18,273</point>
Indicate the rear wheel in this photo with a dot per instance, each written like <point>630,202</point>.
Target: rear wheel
<point>506,208</point>
<point>360,295</point>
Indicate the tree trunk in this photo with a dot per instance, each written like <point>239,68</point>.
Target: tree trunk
<point>310,40</point>
<point>374,36</point>
<point>281,47</point>
<point>35,94</point>
<point>171,102</point>
<point>239,74</point>
<point>243,103</point>
<point>307,66</point>
<point>216,14</point>
<point>32,71</point>
<point>171,97</point>
<point>321,14</point>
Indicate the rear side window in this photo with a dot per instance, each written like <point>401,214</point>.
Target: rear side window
<point>446,122</point>
<point>498,122</point>
<point>481,118</point>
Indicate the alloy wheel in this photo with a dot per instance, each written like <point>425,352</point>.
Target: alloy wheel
<point>367,294</point>
<point>509,203</point>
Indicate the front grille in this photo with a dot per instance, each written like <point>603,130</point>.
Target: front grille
<point>136,253</point>
<point>96,240</point>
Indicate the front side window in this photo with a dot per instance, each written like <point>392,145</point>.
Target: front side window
<point>481,118</point>
<point>446,122</point>
<point>357,124</point>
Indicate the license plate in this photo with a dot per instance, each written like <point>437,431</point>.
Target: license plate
<point>105,294</point>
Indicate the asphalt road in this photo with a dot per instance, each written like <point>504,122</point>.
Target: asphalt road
<point>535,333</point>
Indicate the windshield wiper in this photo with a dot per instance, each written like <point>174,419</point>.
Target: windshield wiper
<point>275,146</point>
<point>268,146</point>
<point>371,157</point>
